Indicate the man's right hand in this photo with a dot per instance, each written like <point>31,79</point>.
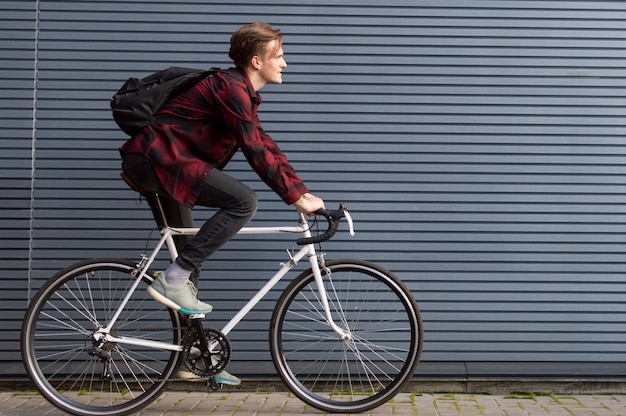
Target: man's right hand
<point>308,204</point>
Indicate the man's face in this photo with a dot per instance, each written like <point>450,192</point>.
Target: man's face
<point>272,64</point>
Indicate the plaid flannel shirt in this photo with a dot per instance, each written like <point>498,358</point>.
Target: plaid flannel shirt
<point>218,116</point>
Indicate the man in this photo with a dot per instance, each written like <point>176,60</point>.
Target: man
<point>182,156</point>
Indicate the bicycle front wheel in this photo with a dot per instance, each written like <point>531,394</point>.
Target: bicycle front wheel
<point>346,374</point>
<point>60,348</point>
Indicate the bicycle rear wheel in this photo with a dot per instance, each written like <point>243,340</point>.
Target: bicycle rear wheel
<point>346,375</point>
<point>70,368</point>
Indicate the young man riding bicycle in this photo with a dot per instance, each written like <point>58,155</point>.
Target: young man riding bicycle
<point>183,161</point>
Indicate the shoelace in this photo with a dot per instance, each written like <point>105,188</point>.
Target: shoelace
<point>193,289</point>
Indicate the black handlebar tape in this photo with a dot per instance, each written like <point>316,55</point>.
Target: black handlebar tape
<point>333,218</point>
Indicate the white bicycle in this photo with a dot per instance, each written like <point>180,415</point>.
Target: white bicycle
<point>345,335</point>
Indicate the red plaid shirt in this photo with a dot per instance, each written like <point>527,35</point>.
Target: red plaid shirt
<point>219,116</point>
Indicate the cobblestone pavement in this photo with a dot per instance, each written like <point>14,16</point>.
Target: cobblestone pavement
<point>237,403</point>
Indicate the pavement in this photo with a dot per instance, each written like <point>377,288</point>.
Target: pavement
<point>273,403</point>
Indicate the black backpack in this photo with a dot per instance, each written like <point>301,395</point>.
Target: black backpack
<point>135,104</point>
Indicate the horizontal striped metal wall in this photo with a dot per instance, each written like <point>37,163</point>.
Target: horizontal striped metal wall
<point>17,22</point>
<point>478,144</point>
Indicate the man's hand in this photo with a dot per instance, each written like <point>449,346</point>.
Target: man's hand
<point>308,204</point>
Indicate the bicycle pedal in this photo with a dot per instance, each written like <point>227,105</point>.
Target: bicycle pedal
<point>213,384</point>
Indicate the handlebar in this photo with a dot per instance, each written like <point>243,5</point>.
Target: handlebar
<point>333,218</point>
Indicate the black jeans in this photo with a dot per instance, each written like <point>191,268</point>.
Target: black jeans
<point>236,205</point>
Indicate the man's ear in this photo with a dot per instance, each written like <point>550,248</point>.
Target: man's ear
<point>255,62</point>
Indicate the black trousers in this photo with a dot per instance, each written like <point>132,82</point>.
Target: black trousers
<point>235,202</point>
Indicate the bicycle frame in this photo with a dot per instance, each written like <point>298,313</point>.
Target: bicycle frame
<point>167,239</point>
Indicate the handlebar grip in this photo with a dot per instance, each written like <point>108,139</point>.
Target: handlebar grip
<point>333,218</point>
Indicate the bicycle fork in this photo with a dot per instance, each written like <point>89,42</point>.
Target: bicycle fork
<point>319,280</point>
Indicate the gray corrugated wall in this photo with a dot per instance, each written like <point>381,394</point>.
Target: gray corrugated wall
<point>17,45</point>
<point>478,145</point>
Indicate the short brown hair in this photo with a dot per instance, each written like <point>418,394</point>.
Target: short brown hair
<point>250,40</point>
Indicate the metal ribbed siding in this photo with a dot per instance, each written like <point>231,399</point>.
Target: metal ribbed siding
<point>477,144</point>
<point>16,111</point>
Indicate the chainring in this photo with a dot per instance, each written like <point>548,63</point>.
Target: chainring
<point>205,363</point>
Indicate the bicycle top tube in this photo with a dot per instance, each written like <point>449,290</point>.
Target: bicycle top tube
<point>332,217</point>
<point>244,230</point>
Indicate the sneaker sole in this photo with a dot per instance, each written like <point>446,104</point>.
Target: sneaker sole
<point>171,304</point>
<point>228,382</point>
<point>234,381</point>
<point>190,377</point>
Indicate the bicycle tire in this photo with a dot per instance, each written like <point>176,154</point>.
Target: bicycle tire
<point>354,375</point>
<point>66,365</point>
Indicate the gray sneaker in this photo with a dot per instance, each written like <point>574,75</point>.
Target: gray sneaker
<point>183,298</point>
<point>222,377</point>
<point>227,378</point>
